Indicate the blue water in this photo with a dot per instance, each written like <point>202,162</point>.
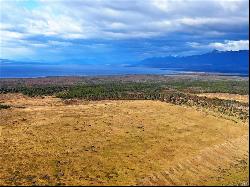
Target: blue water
<point>32,71</point>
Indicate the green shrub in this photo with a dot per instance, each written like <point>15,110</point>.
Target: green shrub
<point>3,106</point>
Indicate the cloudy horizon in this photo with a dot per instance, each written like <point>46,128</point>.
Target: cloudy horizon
<point>120,31</point>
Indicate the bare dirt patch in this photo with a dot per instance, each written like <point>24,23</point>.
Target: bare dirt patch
<point>50,142</point>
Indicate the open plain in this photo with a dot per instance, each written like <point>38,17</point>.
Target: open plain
<point>49,141</point>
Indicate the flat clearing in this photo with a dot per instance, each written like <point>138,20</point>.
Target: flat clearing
<point>227,96</point>
<point>45,141</point>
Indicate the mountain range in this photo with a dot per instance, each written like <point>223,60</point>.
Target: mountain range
<point>215,61</point>
<point>230,62</point>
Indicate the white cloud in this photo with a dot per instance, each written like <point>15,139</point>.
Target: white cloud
<point>92,19</point>
<point>120,20</point>
<point>231,45</point>
<point>9,35</point>
<point>227,45</point>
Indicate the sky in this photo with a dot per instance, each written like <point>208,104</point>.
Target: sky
<point>119,31</point>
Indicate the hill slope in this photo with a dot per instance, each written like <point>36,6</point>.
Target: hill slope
<point>45,141</point>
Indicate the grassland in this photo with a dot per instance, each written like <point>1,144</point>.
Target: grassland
<point>49,140</point>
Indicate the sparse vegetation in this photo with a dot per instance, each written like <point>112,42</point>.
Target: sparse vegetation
<point>190,84</point>
<point>214,86</point>
<point>33,91</point>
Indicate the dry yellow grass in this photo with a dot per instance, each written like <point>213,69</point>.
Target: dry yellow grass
<point>227,96</point>
<point>110,142</point>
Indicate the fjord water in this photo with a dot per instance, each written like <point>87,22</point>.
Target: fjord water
<point>30,71</point>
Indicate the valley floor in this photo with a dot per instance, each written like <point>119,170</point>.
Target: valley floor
<point>46,141</point>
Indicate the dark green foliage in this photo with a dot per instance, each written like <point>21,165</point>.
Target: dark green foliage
<point>112,91</point>
<point>3,106</point>
<point>215,86</point>
<point>34,90</point>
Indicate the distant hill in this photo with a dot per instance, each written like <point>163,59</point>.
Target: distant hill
<point>215,61</point>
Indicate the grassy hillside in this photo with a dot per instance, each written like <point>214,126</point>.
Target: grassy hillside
<point>50,142</point>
